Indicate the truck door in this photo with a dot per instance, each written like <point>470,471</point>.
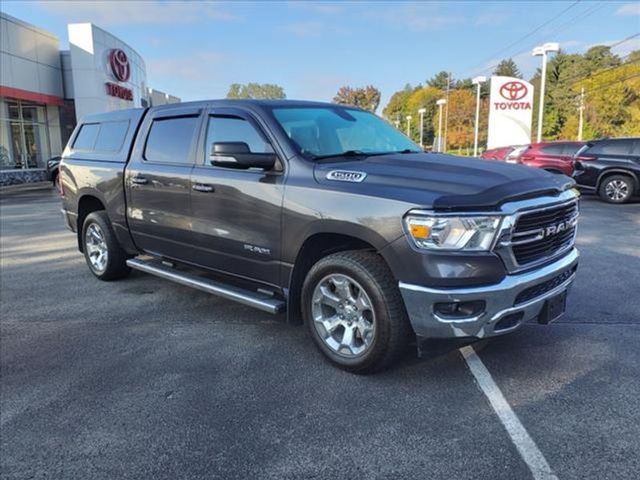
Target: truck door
<point>158,181</point>
<point>237,212</point>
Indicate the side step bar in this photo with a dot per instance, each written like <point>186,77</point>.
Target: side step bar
<point>257,300</point>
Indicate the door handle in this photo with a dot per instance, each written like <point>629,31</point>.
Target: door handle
<point>139,180</point>
<point>203,187</point>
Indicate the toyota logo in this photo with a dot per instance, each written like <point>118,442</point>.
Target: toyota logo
<point>513,91</point>
<point>119,64</point>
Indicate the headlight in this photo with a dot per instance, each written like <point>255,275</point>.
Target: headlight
<point>475,233</point>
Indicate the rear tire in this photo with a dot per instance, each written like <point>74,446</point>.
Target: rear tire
<point>354,311</point>
<point>104,255</point>
<point>617,189</point>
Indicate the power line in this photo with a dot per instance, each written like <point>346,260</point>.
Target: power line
<point>572,21</point>
<point>532,32</point>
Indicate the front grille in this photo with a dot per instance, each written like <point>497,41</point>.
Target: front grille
<point>549,245</point>
<point>544,287</point>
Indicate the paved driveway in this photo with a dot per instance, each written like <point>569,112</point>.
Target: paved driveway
<point>143,378</point>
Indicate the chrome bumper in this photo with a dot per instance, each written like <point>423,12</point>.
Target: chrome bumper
<point>500,302</point>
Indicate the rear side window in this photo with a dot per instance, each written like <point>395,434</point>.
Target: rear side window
<point>87,135</point>
<point>553,149</point>
<point>636,148</point>
<point>571,149</point>
<point>170,140</point>
<point>612,147</point>
<point>111,136</point>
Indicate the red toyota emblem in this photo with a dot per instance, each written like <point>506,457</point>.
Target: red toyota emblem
<point>119,64</point>
<point>513,91</point>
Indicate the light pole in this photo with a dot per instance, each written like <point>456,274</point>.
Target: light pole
<point>581,109</point>
<point>542,51</point>
<point>408,118</point>
<point>422,111</point>
<point>477,81</point>
<point>441,103</point>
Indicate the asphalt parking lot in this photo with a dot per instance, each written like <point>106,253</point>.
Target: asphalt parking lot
<point>143,378</point>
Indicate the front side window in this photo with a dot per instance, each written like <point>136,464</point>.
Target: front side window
<point>170,140</point>
<point>235,129</point>
<point>326,131</point>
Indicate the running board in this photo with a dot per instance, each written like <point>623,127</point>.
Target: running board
<point>258,300</point>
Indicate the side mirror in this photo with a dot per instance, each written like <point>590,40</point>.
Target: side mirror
<point>238,155</point>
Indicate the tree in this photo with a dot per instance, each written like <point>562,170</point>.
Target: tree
<point>600,56</point>
<point>367,98</point>
<point>461,118</point>
<point>440,80</point>
<point>507,68</point>
<point>256,91</point>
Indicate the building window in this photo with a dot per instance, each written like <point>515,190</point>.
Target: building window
<point>24,137</point>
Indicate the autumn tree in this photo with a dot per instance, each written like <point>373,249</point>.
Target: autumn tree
<point>367,98</point>
<point>256,91</point>
<point>507,68</point>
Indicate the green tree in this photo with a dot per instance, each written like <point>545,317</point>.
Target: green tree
<point>507,68</point>
<point>440,80</point>
<point>367,98</point>
<point>256,91</point>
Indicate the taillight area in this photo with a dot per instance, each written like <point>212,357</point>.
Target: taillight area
<point>60,179</point>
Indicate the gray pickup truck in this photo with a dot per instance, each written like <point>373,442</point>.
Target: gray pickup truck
<point>327,213</point>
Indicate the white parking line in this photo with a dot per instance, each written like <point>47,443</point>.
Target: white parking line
<point>528,449</point>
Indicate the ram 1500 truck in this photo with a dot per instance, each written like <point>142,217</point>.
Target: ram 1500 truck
<point>326,212</point>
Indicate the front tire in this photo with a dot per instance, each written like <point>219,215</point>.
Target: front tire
<point>617,189</point>
<point>104,255</point>
<point>354,311</point>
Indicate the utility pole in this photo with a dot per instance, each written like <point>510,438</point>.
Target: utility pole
<point>581,110</point>
<point>446,115</point>
<point>477,81</point>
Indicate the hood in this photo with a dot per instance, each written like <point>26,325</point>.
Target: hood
<point>443,182</point>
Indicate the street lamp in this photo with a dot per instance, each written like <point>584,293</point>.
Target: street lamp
<point>408,118</point>
<point>422,111</point>
<point>441,103</point>
<point>477,81</point>
<point>541,51</point>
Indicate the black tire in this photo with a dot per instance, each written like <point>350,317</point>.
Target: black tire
<point>392,328</point>
<point>56,183</point>
<point>617,188</point>
<point>115,264</point>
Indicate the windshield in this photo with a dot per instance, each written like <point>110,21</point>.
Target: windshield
<point>328,131</point>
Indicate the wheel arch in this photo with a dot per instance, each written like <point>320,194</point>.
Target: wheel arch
<point>315,247</point>
<point>618,171</point>
<point>86,204</point>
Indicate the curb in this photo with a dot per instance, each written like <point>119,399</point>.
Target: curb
<point>26,187</point>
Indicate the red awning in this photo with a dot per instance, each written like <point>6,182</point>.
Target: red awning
<point>20,94</point>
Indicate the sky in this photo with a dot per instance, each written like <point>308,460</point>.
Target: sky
<point>195,50</point>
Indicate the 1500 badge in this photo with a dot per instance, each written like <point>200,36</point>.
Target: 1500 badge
<point>346,176</point>
<point>258,250</point>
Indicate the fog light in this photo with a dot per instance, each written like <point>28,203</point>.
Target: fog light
<point>459,310</point>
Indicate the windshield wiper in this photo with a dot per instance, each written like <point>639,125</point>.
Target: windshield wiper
<point>347,153</point>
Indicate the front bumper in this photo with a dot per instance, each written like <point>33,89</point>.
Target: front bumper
<point>505,308</point>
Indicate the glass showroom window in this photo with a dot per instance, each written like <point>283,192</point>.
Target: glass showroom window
<point>24,138</point>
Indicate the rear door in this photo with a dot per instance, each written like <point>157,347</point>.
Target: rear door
<point>158,182</point>
<point>237,213</point>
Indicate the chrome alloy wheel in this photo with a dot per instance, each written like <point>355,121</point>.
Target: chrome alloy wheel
<point>343,315</point>
<point>616,190</point>
<point>96,247</point>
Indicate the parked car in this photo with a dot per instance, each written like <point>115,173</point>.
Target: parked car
<point>326,212</point>
<point>555,157</point>
<point>496,153</point>
<point>52,171</point>
<point>610,167</point>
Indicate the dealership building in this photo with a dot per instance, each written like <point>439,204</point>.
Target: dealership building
<point>44,91</point>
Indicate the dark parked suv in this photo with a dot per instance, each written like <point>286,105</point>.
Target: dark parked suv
<point>610,167</point>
